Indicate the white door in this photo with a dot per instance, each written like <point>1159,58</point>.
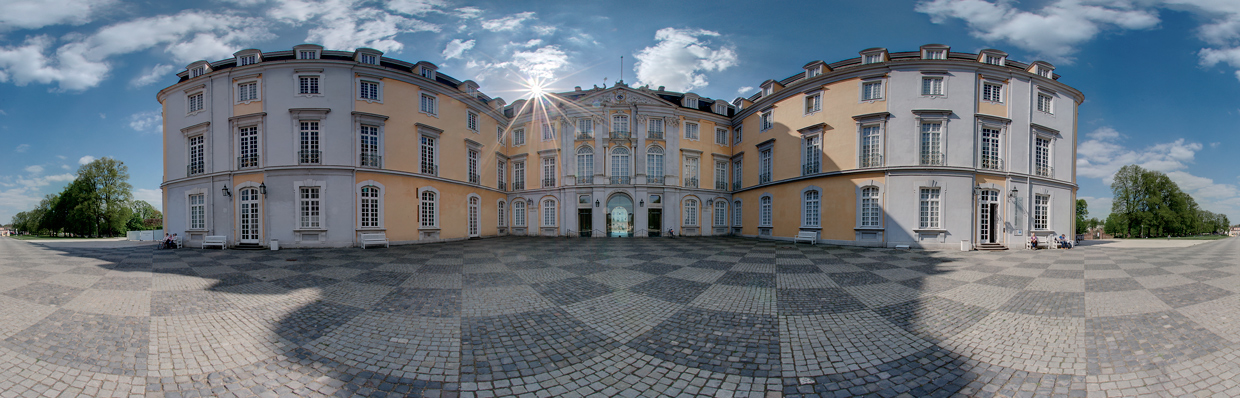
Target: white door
<point>473,216</point>
<point>986,216</point>
<point>249,215</point>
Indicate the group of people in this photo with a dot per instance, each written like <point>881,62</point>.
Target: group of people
<point>169,242</point>
<point>1060,242</point>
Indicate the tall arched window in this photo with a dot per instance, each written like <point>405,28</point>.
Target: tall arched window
<point>548,212</point>
<point>654,164</point>
<point>721,213</point>
<point>518,213</point>
<point>499,211</point>
<point>620,164</point>
<point>585,165</point>
<point>691,211</point>
<point>370,206</point>
<point>870,213</point>
<point>736,213</point>
<point>764,211</point>
<point>810,209</point>
<point>429,214</point>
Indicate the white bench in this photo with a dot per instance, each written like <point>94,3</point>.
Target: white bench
<point>375,238</point>
<point>177,242</point>
<point>810,236</point>
<point>1043,242</point>
<point>215,240</point>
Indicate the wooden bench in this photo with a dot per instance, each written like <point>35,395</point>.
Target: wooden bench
<point>215,240</point>
<point>810,236</point>
<point>375,238</point>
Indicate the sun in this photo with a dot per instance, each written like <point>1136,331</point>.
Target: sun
<point>535,86</point>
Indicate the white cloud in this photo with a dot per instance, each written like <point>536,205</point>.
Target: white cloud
<point>508,23</point>
<point>468,12</point>
<point>528,44</point>
<point>456,47</point>
<point>680,57</point>
<point>19,194</point>
<point>346,25</point>
<point>543,30</point>
<point>82,62</point>
<point>1098,207</point>
<point>1054,31</point>
<point>86,159</point>
<point>22,148</point>
<point>65,167</point>
<point>1215,144</point>
<point>153,74</point>
<point>34,14</point>
<point>543,62</point>
<point>1102,154</point>
<point>747,90</point>
<point>103,115</point>
<point>34,169</point>
<point>2,112</point>
<point>415,7</point>
<point>153,196</point>
<point>147,122</point>
<point>62,157</point>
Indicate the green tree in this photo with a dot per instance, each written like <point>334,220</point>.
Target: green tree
<point>110,208</point>
<point>143,216</point>
<point>1082,211</point>
<point>1127,205</point>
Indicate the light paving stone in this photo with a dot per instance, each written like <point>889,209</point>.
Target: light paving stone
<point>985,296</point>
<point>1219,316</point>
<point>113,302</point>
<point>1101,304</point>
<point>623,315</point>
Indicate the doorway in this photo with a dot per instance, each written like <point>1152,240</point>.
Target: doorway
<point>620,216</point>
<point>585,223</point>
<point>655,223</point>
<point>988,216</point>
<point>473,217</point>
<point>248,212</point>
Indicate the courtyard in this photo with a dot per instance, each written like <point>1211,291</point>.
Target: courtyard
<point>618,317</point>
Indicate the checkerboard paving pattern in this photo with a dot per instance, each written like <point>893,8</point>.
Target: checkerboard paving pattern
<point>619,317</point>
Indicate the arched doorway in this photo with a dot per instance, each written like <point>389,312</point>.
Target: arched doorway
<point>620,216</point>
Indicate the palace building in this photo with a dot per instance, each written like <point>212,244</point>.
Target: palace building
<point>312,147</point>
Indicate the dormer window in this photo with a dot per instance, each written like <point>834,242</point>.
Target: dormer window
<point>936,54</point>
<point>307,54</point>
<point>721,108</point>
<point>691,102</point>
<point>873,55</point>
<point>1044,72</point>
<point>425,69</point>
<point>768,90</point>
<point>815,68</point>
<point>247,60</point>
<point>994,59</point>
<point>873,58</point>
<point>198,71</point>
<point>370,59</point>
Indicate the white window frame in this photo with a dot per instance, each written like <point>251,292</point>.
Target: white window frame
<point>721,213</point>
<point>201,152</point>
<point>548,171</point>
<point>992,92</point>
<point>318,84</point>
<point>691,207</point>
<point>247,59</point>
<point>473,164</point>
<point>304,143</point>
<point>1042,212</point>
<point>765,212</point>
<point>936,54</point>
<point>197,71</point>
<point>1049,106</point>
<point>811,208</point>
<point>499,135</point>
<point>361,204</point>
<point>928,88</point>
<point>813,103</point>
<point>869,94</point>
<point>518,174</point>
<point>721,173</point>
<point>518,137</point>
<point>378,94</point>
<point>766,164</point>
<point>738,167</point>
<point>737,213</point>
<point>867,204</point>
<point>863,153</point>
<point>307,54</point>
<point>620,120</point>
<point>426,97</point>
<point>693,131</point>
<point>306,220</point>
<point>692,169</point>
<point>655,156</point>
<point>519,212</point>
<point>621,161</point>
<point>201,223</point>
<point>656,125</point>
<point>930,208</point>
<point>876,58</point>
<point>473,121</point>
<point>934,147</point>
<point>691,102</point>
<point>368,58</point>
<point>721,136</point>
<point>190,110</point>
<point>585,127</point>
<point>548,206</point>
<point>255,149</point>
<point>258,90</point>
<point>766,120</point>
<point>585,163</point>
<point>548,131</point>
<point>434,209</point>
<point>423,136</point>
<point>1048,158</point>
<point>737,135</point>
<point>501,215</point>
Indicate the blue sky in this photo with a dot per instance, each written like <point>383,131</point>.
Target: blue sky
<point>78,78</point>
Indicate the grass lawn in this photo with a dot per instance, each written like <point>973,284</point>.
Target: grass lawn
<point>1203,237</point>
<point>34,237</point>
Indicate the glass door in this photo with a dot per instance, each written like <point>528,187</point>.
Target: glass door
<point>249,214</point>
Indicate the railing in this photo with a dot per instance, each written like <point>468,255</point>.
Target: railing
<point>474,178</point>
<point>311,157</point>
<point>721,185</point>
<point>810,168</point>
<point>992,163</point>
<point>247,161</point>
<point>654,180</point>
<point>371,160</point>
<point>430,169</point>
<point>932,159</point>
<point>654,135</point>
<point>764,178</point>
<point>503,186</point>
<point>691,182</point>
<point>518,185</point>
<point>195,168</point>
<point>619,135</point>
<point>736,185</point>
<point>585,136</point>
<point>548,182</point>
<point>872,160</point>
<point>1044,171</point>
<point>620,180</point>
<point>585,180</point>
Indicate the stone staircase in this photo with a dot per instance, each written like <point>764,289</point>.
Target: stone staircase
<point>991,246</point>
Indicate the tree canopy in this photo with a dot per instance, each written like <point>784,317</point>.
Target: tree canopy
<point>1147,203</point>
<point>99,202</point>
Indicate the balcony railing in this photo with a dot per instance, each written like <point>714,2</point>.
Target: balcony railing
<point>620,135</point>
<point>474,178</point>
<point>736,185</point>
<point>932,159</point>
<point>654,135</point>
<point>585,136</point>
<point>309,157</point>
<point>371,160</point>
<point>195,168</point>
<point>548,182</point>
<point>990,163</point>
<point>654,180</point>
<point>871,160</point>
<point>1044,171</point>
<point>810,168</point>
<point>764,178</point>
<point>430,169</point>
<point>247,161</point>
<point>518,185</point>
<point>620,180</point>
<point>721,185</point>
<point>585,180</point>
<point>691,182</point>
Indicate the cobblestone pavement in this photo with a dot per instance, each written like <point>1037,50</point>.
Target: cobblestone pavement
<point>619,317</point>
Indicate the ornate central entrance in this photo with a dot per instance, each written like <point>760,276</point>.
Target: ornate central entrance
<point>620,216</point>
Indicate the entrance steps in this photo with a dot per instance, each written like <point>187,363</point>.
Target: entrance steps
<point>991,246</point>
<point>248,246</point>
